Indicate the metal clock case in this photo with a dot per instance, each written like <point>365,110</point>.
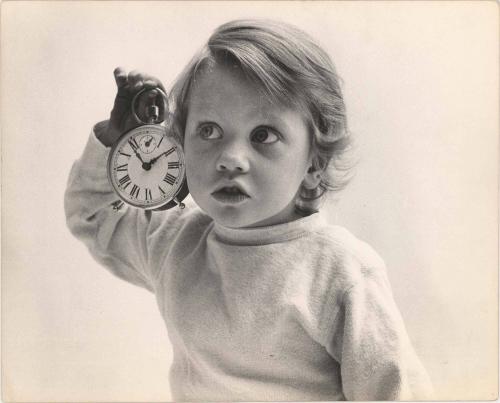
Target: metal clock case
<point>146,165</point>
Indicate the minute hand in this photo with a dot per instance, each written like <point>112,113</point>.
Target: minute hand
<point>168,152</point>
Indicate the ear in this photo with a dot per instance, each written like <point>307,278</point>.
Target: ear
<point>312,178</point>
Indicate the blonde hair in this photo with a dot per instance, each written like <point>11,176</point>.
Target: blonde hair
<point>292,70</point>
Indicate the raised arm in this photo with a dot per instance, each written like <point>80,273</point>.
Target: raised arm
<point>116,239</point>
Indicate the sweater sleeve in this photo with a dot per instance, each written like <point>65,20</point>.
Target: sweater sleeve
<point>116,239</point>
<point>371,344</point>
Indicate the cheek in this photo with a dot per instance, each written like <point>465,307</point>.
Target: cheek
<point>197,164</point>
<point>282,180</point>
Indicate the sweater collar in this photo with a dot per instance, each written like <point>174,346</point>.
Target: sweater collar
<point>269,234</point>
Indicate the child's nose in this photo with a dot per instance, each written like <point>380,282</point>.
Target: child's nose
<point>233,160</point>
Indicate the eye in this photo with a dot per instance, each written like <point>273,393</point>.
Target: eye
<point>264,135</point>
<point>210,131</point>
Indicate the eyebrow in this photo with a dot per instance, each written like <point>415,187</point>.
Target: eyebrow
<point>208,114</point>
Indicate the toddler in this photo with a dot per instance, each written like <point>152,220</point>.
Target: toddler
<point>263,300</point>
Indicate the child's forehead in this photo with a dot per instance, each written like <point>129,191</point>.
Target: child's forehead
<point>218,86</point>
<point>217,80</point>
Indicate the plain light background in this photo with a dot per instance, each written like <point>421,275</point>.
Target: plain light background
<point>421,85</point>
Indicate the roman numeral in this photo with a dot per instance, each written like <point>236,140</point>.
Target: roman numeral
<point>170,179</point>
<point>122,167</point>
<point>133,144</point>
<point>173,165</point>
<point>126,155</point>
<point>134,192</point>
<point>160,142</point>
<point>125,181</point>
<point>147,194</point>
<point>161,190</point>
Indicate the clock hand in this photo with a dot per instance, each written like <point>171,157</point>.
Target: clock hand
<point>152,161</point>
<point>138,156</point>
<point>145,165</point>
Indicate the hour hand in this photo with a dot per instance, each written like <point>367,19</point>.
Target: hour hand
<point>145,165</point>
<point>134,146</point>
<point>138,155</point>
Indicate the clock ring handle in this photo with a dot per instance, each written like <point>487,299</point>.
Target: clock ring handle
<point>152,111</point>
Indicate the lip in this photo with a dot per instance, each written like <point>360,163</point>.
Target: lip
<point>230,193</point>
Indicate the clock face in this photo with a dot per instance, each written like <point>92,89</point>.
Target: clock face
<point>146,167</point>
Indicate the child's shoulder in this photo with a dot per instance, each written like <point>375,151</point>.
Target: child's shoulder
<point>345,254</point>
<point>338,261</point>
<point>188,220</point>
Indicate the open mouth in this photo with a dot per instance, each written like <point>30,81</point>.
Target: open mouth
<point>230,194</point>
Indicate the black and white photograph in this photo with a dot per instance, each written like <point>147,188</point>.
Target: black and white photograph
<point>214,201</point>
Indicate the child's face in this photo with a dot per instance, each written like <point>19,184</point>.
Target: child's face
<point>245,157</point>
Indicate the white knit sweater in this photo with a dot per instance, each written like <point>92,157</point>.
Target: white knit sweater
<point>297,311</point>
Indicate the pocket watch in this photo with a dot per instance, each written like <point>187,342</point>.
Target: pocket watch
<point>146,165</point>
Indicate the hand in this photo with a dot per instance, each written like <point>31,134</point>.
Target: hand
<point>138,155</point>
<point>128,85</point>
<point>145,165</point>
<point>152,161</point>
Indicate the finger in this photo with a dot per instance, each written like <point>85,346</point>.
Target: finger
<point>135,80</point>
<point>153,82</point>
<point>120,77</point>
